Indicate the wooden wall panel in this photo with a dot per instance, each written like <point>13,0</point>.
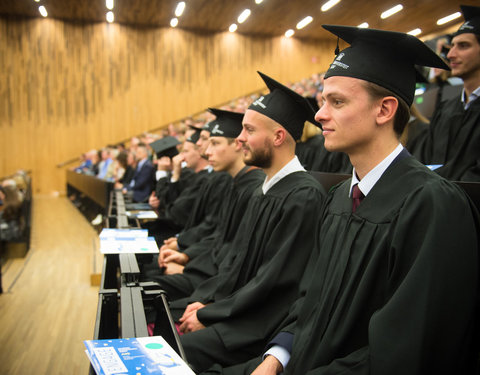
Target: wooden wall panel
<point>68,87</point>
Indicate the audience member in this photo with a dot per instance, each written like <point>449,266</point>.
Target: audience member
<point>105,167</point>
<point>453,140</point>
<point>142,183</point>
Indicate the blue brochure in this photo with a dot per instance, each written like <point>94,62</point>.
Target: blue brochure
<point>142,355</point>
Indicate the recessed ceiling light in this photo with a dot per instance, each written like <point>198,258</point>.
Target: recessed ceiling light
<point>109,4</point>
<point>258,1</point>
<point>174,22</point>
<point>449,18</point>
<point>289,33</point>
<point>391,11</point>
<point>415,32</point>
<point>304,22</point>
<point>329,4</point>
<point>363,25</point>
<point>180,8</point>
<point>42,10</point>
<point>110,17</point>
<point>233,27</point>
<point>243,16</point>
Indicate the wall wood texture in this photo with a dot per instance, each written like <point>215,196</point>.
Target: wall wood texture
<point>66,88</point>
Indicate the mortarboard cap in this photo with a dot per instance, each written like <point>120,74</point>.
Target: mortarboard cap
<point>226,124</point>
<point>284,106</point>
<point>208,126</point>
<point>194,137</point>
<point>472,20</point>
<point>313,103</point>
<point>166,146</point>
<point>386,58</point>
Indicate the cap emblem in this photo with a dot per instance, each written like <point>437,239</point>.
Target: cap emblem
<point>259,102</point>
<point>216,130</point>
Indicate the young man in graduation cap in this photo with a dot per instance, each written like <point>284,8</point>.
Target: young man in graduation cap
<point>165,149</point>
<point>231,315</point>
<point>393,284</point>
<point>453,139</point>
<point>202,257</point>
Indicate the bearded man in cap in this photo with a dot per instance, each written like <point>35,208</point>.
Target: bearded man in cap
<point>453,139</point>
<point>392,285</point>
<point>231,315</point>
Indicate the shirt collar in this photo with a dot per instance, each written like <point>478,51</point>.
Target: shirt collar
<point>372,177</point>
<point>292,166</point>
<point>474,95</point>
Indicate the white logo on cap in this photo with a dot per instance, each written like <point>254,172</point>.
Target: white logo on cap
<point>337,62</point>
<point>216,130</point>
<point>466,25</point>
<point>259,102</point>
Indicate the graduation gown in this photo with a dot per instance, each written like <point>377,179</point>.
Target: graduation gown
<point>204,214</point>
<point>167,191</point>
<point>258,278</point>
<point>453,140</point>
<point>210,249</point>
<point>395,285</point>
<point>199,210</point>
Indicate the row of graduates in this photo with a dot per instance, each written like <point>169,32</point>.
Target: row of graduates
<point>263,256</point>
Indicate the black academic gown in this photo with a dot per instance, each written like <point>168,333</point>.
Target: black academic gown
<point>258,278</point>
<point>198,209</point>
<point>453,140</point>
<point>395,285</point>
<point>204,214</point>
<point>167,191</point>
<point>176,202</point>
<point>210,249</point>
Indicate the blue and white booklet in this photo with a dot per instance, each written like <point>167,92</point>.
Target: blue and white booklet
<point>142,355</point>
<point>124,241</point>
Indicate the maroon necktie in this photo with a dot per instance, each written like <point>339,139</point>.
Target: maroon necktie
<point>357,197</point>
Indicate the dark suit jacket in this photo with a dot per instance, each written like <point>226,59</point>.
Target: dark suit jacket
<point>144,182</point>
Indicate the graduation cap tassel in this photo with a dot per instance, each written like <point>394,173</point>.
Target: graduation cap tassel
<point>337,50</point>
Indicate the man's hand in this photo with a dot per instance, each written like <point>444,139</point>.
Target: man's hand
<point>190,309</point>
<point>164,164</point>
<point>171,243</point>
<point>177,166</point>
<point>173,268</point>
<point>269,366</point>
<point>169,255</point>
<point>154,201</point>
<point>189,321</point>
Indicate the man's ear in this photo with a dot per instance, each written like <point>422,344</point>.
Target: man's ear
<point>279,136</point>
<point>386,110</point>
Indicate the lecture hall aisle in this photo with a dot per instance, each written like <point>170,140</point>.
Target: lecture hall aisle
<point>48,307</point>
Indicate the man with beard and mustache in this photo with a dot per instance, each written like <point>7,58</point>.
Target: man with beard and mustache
<point>224,319</point>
